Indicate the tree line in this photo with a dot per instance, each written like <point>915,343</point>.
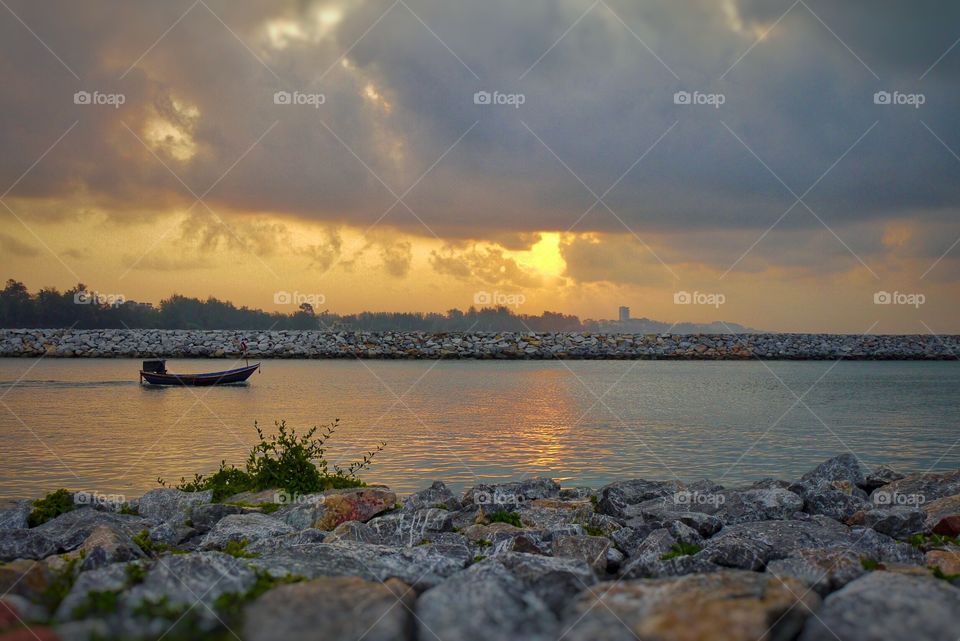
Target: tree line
<point>84,309</point>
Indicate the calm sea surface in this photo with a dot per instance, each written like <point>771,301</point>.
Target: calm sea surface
<point>88,425</point>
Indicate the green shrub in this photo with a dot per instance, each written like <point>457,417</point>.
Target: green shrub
<point>161,608</point>
<point>151,547</point>
<point>226,481</point>
<point>238,549</point>
<point>97,603</point>
<point>869,564</point>
<point>50,506</point>
<point>502,516</point>
<point>592,530</point>
<point>681,549</point>
<point>230,604</point>
<point>927,541</point>
<point>292,462</point>
<point>126,509</point>
<point>136,573</point>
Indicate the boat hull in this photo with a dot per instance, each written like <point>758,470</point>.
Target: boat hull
<point>230,376</point>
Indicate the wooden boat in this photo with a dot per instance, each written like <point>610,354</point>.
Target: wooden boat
<point>155,373</point>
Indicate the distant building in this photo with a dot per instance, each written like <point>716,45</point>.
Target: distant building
<point>624,314</point>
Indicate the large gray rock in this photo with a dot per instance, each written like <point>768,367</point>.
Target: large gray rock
<point>165,504</point>
<point>251,527</point>
<point>435,496</point>
<point>880,476</point>
<point>204,517</point>
<point>410,527</point>
<point>192,579</point>
<point>822,570</point>
<point>592,549</point>
<point>64,533</point>
<point>332,608</point>
<point>730,605</point>
<point>614,499</point>
<point>743,506</point>
<point>880,547</point>
<point>543,517</point>
<point>845,467</point>
<point>727,507</point>
<point>554,580</point>
<point>70,530</point>
<point>422,566</point>
<point>353,531</point>
<point>898,522</point>
<point>488,602</point>
<point>533,541</point>
<point>505,495</point>
<point>655,545</point>
<point>110,578</point>
<point>917,489</point>
<point>752,545</point>
<point>107,545</point>
<point>172,533</point>
<point>886,605</point>
<point>826,499</point>
<point>26,544</point>
<point>649,562</point>
<point>15,516</point>
<point>629,539</point>
<point>173,586</point>
<point>304,513</point>
<point>354,504</point>
<point>943,515</point>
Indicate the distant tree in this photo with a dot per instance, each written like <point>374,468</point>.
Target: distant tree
<point>16,306</point>
<point>82,308</point>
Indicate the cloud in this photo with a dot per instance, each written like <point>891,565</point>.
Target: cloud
<point>11,245</point>
<point>484,264</point>
<point>397,258</point>
<point>324,255</point>
<point>398,118</point>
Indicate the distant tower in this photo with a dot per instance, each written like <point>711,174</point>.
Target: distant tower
<point>624,314</point>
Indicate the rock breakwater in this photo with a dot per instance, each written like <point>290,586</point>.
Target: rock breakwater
<point>841,552</point>
<point>113,343</point>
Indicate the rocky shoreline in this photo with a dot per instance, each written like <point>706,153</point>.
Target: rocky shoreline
<point>115,343</point>
<point>839,553</point>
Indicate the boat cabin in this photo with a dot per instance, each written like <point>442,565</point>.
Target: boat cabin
<point>155,366</point>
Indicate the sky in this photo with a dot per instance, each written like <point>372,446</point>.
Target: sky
<point>790,165</point>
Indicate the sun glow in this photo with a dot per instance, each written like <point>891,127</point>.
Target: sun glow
<point>545,255</point>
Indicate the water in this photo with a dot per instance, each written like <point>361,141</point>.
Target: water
<point>88,425</point>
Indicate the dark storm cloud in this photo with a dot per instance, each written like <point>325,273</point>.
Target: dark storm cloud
<point>594,103</point>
